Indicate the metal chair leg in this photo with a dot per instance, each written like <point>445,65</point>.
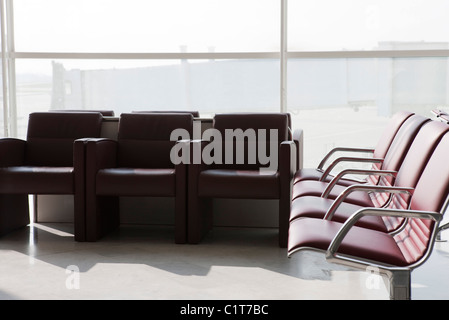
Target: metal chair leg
<point>400,285</point>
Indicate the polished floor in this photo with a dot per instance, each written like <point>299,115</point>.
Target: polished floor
<point>43,261</point>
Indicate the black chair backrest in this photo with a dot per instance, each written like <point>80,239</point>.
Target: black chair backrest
<point>144,138</point>
<point>51,135</point>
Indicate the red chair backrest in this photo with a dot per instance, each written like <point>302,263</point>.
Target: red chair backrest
<point>430,194</point>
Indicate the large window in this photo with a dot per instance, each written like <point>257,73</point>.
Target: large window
<point>123,86</point>
<point>347,102</point>
<point>322,25</point>
<point>341,68</point>
<point>147,25</point>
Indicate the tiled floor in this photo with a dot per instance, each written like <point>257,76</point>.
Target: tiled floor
<point>142,262</point>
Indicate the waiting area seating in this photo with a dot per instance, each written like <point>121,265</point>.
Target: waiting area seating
<point>230,177</point>
<point>137,164</point>
<point>391,161</point>
<point>389,220</point>
<point>377,195</point>
<point>49,161</point>
<point>323,173</point>
<point>395,236</point>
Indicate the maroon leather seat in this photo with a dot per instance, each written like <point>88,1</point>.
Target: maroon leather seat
<point>408,175</point>
<point>409,247</point>
<point>49,161</point>
<point>137,164</point>
<point>392,161</point>
<point>379,152</point>
<point>244,180</point>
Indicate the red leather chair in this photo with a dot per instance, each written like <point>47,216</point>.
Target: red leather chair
<point>395,254</point>
<point>242,180</point>
<point>410,171</point>
<point>137,164</point>
<point>49,161</point>
<point>392,161</point>
<point>323,171</point>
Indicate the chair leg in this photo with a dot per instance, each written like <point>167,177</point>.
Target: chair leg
<point>200,218</point>
<point>80,217</point>
<point>180,220</point>
<point>102,216</point>
<point>14,212</point>
<point>284,215</point>
<point>400,285</point>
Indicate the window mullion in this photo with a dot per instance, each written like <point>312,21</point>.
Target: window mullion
<point>4,70</point>
<point>283,56</point>
<point>11,69</point>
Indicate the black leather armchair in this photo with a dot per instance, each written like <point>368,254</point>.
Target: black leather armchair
<point>49,161</point>
<point>137,164</point>
<point>244,178</point>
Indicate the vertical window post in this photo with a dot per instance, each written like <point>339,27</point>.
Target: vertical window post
<point>283,55</point>
<point>4,69</point>
<point>11,69</point>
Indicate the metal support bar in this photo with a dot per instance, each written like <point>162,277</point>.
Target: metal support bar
<point>400,284</point>
<point>145,55</point>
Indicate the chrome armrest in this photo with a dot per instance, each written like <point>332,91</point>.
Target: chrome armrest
<point>392,190</point>
<point>331,252</point>
<point>341,174</point>
<point>342,149</point>
<point>436,112</point>
<point>444,227</point>
<point>348,159</point>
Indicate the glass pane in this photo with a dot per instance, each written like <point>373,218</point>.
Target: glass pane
<point>347,102</point>
<point>147,26</point>
<point>367,25</point>
<point>2,123</point>
<point>209,86</point>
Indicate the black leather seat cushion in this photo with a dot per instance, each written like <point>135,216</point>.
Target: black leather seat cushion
<point>245,184</point>
<point>136,182</point>
<point>37,180</point>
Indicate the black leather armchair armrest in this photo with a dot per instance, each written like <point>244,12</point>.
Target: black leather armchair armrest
<point>287,169</point>
<point>12,152</point>
<point>101,153</point>
<point>298,139</point>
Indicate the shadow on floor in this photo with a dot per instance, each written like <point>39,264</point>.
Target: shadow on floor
<point>153,246</point>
